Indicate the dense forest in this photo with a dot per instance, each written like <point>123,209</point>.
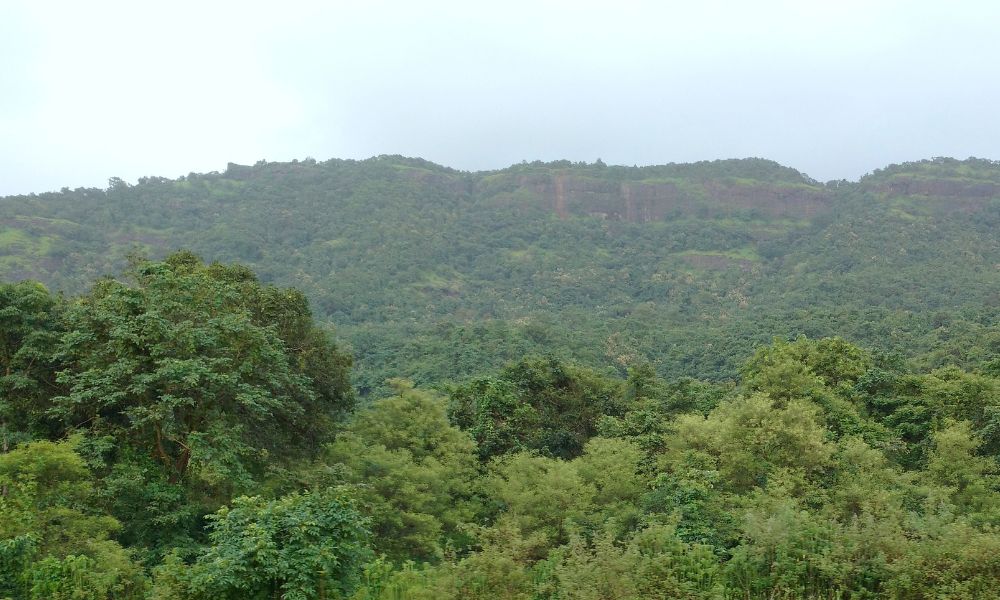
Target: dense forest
<point>434,274</point>
<point>386,379</point>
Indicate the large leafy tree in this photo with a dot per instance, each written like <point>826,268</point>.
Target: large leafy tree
<point>201,367</point>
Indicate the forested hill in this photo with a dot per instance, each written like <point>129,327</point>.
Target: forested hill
<point>436,274</point>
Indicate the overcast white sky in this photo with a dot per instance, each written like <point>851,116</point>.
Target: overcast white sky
<point>95,89</point>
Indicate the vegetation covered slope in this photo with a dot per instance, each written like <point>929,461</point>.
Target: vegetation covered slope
<point>435,274</point>
<point>188,433</point>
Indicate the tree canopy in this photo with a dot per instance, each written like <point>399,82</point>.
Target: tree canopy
<point>556,381</point>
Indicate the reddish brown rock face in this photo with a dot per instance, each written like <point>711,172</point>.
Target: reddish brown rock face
<point>943,188</point>
<point>941,193</point>
<point>645,201</point>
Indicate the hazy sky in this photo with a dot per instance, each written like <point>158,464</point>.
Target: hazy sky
<point>95,89</point>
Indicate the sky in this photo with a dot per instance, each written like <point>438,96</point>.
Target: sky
<point>100,89</point>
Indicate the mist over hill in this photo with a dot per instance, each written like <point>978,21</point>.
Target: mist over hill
<point>436,274</point>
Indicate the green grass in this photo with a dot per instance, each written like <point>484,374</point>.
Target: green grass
<point>24,243</point>
<point>13,237</point>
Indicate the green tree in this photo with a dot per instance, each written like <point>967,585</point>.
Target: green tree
<point>191,383</point>
<point>29,332</point>
<point>414,473</point>
<point>535,404</point>
<point>749,438</point>
<point>542,497</point>
<point>960,395</point>
<point>970,481</point>
<point>824,371</point>
<point>613,468</point>
<point>655,563</point>
<point>54,542</point>
<point>303,546</point>
<point>189,365</point>
<point>952,559</point>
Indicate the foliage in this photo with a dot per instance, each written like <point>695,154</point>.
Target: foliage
<point>190,382</point>
<point>435,274</point>
<point>299,547</point>
<point>53,542</point>
<point>535,404</point>
<point>653,564</point>
<point>29,331</point>
<point>190,364</point>
<point>414,472</point>
<point>139,416</point>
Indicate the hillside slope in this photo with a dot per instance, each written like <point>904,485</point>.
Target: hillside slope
<point>437,274</point>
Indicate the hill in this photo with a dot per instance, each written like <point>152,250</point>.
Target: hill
<point>435,274</point>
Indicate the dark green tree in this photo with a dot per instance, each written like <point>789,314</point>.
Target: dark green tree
<point>29,332</point>
<point>303,546</point>
<point>54,541</point>
<point>535,404</point>
<point>202,367</point>
<point>192,382</point>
